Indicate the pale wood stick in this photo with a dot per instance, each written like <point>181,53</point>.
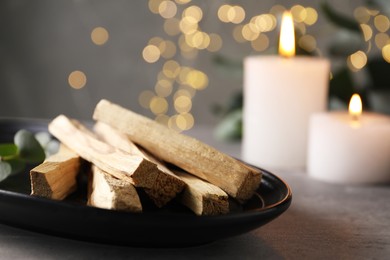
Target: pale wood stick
<point>108,192</point>
<point>201,197</point>
<point>122,165</point>
<point>235,178</point>
<point>119,140</point>
<point>55,178</point>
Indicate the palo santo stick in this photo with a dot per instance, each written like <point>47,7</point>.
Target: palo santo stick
<point>201,197</point>
<point>117,139</point>
<point>136,169</point>
<point>55,178</point>
<point>235,178</point>
<point>122,142</point>
<point>108,192</point>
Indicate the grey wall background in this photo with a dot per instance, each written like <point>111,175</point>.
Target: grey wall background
<point>42,41</point>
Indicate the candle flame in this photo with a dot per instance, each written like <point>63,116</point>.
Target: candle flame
<point>287,37</point>
<point>355,106</point>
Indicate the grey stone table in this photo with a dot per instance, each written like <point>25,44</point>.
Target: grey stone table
<point>325,221</point>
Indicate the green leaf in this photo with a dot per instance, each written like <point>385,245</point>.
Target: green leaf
<point>230,128</point>
<point>5,170</point>
<point>339,19</point>
<point>8,150</point>
<point>29,148</point>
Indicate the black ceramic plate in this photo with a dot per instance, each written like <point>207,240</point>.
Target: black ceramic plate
<point>173,226</point>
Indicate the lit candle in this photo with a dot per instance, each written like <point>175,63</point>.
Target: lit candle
<point>280,94</point>
<point>350,147</point>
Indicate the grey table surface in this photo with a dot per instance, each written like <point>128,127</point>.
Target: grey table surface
<point>324,221</point>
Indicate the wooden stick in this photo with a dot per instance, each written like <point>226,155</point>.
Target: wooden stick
<point>108,192</point>
<point>55,178</point>
<point>122,165</point>
<point>235,178</point>
<point>201,197</point>
<point>121,141</point>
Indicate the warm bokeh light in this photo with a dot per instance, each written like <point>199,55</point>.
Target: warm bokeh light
<point>167,49</point>
<point>163,87</point>
<point>382,23</point>
<point>311,16</point>
<point>261,43</point>
<point>158,105</point>
<point>249,34</point>
<point>237,33</point>
<point>154,5</point>
<point>231,14</point>
<point>287,38</point>
<point>355,106</point>
<point>386,52</point>
<point>145,97</point>
<point>171,69</point>
<point>362,14</point>
<point>156,41</point>
<point>151,53</point>
<point>308,43</point>
<point>188,25</point>
<point>263,23</point>
<point>162,119</point>
<point>181,79</point>
<point>215,42</point>
<point>176,85</point>
<point>77,79</point>
<point>182,2</point>
<point>236,14</point>
<point>357,61</point>
<point>298,13</point>
<point>199,40</point>
<point>193,11</point>
<point>190,54</point>
<point>223,13</point>
<point>99,36</point>
<point>367,31</point>
<point>181,122</point>
<point>381,39</point>
<point>171,26</point>
<point>184,91</point>
<point>183,104</point>
<point>184,121</point>
<point>167,9</point>
<point>277,9</point>
<point>197,79</point>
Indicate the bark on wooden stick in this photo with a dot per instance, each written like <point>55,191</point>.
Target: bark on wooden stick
<point>108,192</point>
<point>55,178</point>
<point>237,179</point>
<point>122,165</point>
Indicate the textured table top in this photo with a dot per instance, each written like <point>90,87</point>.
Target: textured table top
<point>325,221</point>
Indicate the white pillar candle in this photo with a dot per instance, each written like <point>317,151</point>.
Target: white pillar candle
<point>280,94</point>
<point>344,150</point>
